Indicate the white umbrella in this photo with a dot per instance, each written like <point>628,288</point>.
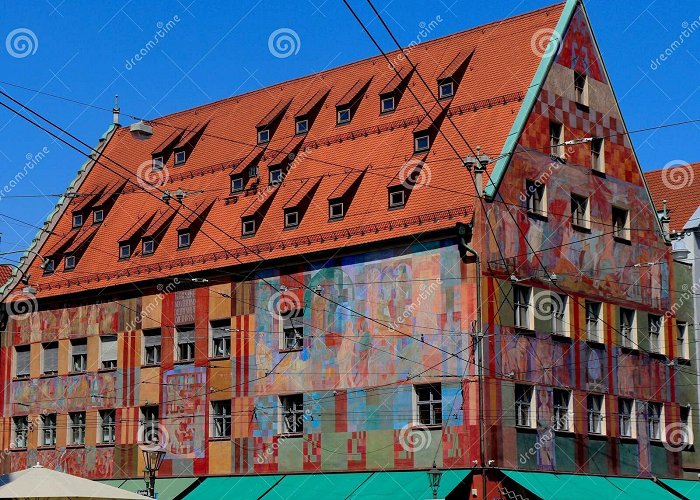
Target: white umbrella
<point>39,482</point>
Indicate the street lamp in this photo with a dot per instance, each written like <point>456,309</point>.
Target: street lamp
<point>153,459</point>
<point>434,476</point>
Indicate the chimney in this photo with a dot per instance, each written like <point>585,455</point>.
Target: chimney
<point>115,111</point>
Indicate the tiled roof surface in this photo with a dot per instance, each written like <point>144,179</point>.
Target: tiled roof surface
<point>5,273</point>
<point>503,64</point>
<point>680,187</point>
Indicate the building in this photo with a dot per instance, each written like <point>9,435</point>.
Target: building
<point>361,273</point>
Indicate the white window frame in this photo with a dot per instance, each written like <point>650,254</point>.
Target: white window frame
<point>214,343</point>
<point>682,337</point>
<point>628,332</point>
<point>393,195</point>
<point>156,349</point>
<point>655,421</point>
<point>627,418</point>
<point>95,218</point>
<point>301,126</point>
<point>598,154</point>
<point>108,364</point>
<point>421,143</point>
<point>44,347</point>
<point>276,176</point>
<point>237,184</point>
<point>180,157</point>
<point>620,223</point>
<point>536,197</point>
<point>253,170</point>
<point>656,335</point>
<point>525,410</point>
<point>221,419</point>
<point>124,251</point>
<point>563,414</point>
<point>144,246</point>
<point>292,338</point>
<point>82,357</point>
<point>340,120</point>
<point>291,414</point>
<point>385,101</point>
<point>428,404</point>
<point>248,227</point>
<point>581,88</point>
<point>185,351</point>
<point>263,136</point>
<point>150,424</point>
<point>580,218</point>
<point>69,262</point>
<point>158,163</point>
<point>47,436</point>
<point>291,218</point>
<point>76,428</point>
<point>594,321</point>
<point>78,220</point>
<point>336,205</point>
<point>595,411</point>
<point>20,431</point>
<point>106,431</point>
<point>50,266</point>
<point>184,239</point>
<point>560,315</point>
<point>686,423</point>
<point>443,93</point>
<point>522,308</point>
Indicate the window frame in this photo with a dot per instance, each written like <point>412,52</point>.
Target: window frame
<point>213,325</point>
<point>620,233</point>
<point>397,204</point>
<point>446,95</point>
<point>44,347</point>
<point>631,340</point>
<point>418,139</point>
<point>525,410</point>
<point>124,251</point>
<point>181,348</point>
<point>156,349</point>
<point>149,423</point>
<point>275,176</point>
<point>596,335</point>
<point>627,418</point>
<point>682,338</point>
<point>598,154</point>
<point>107,424</point>
<point>158,163</point>
<point>109,364</point>
<point>221,415</point>
<point>77,422</point>
<point>685,419</point>
<point>20,431</point>
<point>657,346</point>
<point>433,405</point>
<point>48,429</point>
<point>386,99</point>
<point>289,406</point>
<point>562,413</point>
<point>264,136</point>
<point>595,411</point>
<point>536,197</point>
<point>246,229</point>
<point>253,170</point>
<point>287,215</point>
<point>340,121</point>
<point>146,241</point>
<point>95,219</point>
<point>292,338</point>
<point>523,317</point>
<point>50,266</point>
<point>83,356</point>
<point>556,140</point>
<point>23,348</point>
<point>69,262</point>
<point>580,221</point>
<point>78,220</point>
<point>237,179</point>
<point>184,239</point>
<point>180,157</point>
<point>297,124</point>
<point>581,88</point>
<point>560,316</point>
<point>336,204</point>
<point>655,420</point>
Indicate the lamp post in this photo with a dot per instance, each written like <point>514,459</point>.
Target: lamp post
<point>153,459</point>
<point>434,476</point>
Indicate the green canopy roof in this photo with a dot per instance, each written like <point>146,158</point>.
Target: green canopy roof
<point>167,488</point>
<point>689,489</point>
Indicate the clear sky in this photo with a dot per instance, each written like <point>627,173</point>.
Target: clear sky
<point>208,50</point>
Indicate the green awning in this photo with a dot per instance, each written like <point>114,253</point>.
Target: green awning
<point>689,489</point>
<point>641,488</point>
<point>318,486</point>
<point>413,484</point>
<point>167,488</point>
<point>239,487</point>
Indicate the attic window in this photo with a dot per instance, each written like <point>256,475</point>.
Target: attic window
<point>49,266</point>
<point>253,171</point>
<point>147,246</point>
<point>77,220</point>
<point>124,251</point>
<point>248,227</point>
<point>388,104</point>
<point>421,143</point>
<point>69,262</point>
<point>397,197</point>
<point>291,219</point>
<point>344,116</point>
<point>236,184</point>
<point>157,163</point>
<point>581,88</point>
<point>180,157</point>
<point>302,126</point>
<point>446,89</point>
<point>336,210</point>
<point>98,215</point>
<point>276,176</point>
<point>183,239</point>
<point>263,136</point>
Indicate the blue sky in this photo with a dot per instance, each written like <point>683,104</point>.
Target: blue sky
<point>216,49</point>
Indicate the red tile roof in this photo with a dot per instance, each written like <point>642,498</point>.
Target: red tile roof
<point>679,185</point>
<point>501,70</point>
<point>5,273</point>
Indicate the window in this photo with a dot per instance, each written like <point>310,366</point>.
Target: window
<point>291,219</point>
<point>292,408</point>
<point>388,104</point>
<point>124,251</point>
<point>98,216</point>
<point>556,140</point>
<point>562,410</point>
<point>683,350</point>
<point>49,266</point>
<point>76,431</point>
<point>560,314</point>
<point>620,224</point>
<point>107,425</point>
<point>596,414</point>
<point>248,227</point>
<point>594,326</point>
<point>421,143</point>
<point>521,303</point>
<point>628,328</point>
<point>50,359</point>
<point>157,163</point>
<point>523,406</point>
<point>108,352</point>
<point>220,339</point>
<point>147,246</point>
<point>183,240</point>
<point>22,361</point>
<point>48,430</point>
<point>151,347</point>
<point>20,429</point>
<point>654,420</point>
<point>344,116</point>
<point>686,426</point>
<point>69,262</point>
<point>221,419</point>
<point>579,211</point>
<point>626,416</point>
<point>236,184</point>
<point>446,89</point>
<point>429,404</point>
<point>78,355</point>
<point>180,157</point>
<point>397,198</point>
<point>275,176</point>
<point>302,126</point>
<point>77,220</point>
<point>253,171</point>
<point>337,210</point>
<point>293,330</point>
<point>263,136</point>
<point>597,155</point>
<point>581,88</point>
<point>536,197</point>
<point>185,343</point>
<point>148,433</point>
<point>655,334</point>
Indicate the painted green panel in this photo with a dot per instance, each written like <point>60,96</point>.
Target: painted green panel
<point>290,454</point>
<point>565,452</point>
<point>659,460</point>
<point>333,451</point>
<point>598,456</point>
<point>527,452</point>
<point>629,457</point>
<point>508,403</point>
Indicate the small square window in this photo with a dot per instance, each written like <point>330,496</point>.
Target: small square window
<point>291,219</point>
<point>248,227</point>
<point>344,115</point>
<point>388,104</point>
<point>98,216</point>
<point>253,171</point>
<point>147,246</point>
<point>49,266</point>
<point>302,126</point>
<point>429,404</point>
<point>69,262</point>
<point>579,212</point>
<point>180,157</point>
<point>124,251</point>
<point>263,136</point>
<point>446,89</point>
<point>337,210</point>
<point>77,220</point>
<point>620,224</point>
<point>556,146</point>
<point>276,176</point>
<point>157,163</point>
<point>236,184</point>
<point>421,143</point>
<point>397,198</point>
<point>598,154</point>
<point>183,240</point>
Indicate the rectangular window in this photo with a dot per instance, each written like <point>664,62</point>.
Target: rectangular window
<point>180,157</point>
<point>291,218</point>
<point>183,240</point>
<point>620,224</point>
<point>221,419</point>
<point>49,266</point>
<point>293,330</point>
<point>556,140</point>
<point>628,328</point>
<point>263,136</point>
<point>446,89</point>
<point>157,163</point>
<point>686,426</point>
<point>78,355</point>
<point>594,326</point>
<point>248,227</point>
<point>22,361</point>
<point>397,198</point>
<point>253,171</point>
<point>536,197</point>
<point>521,302</point>
<point>69,262</point>
<point>655,334</point>
<point>597,154</point>
<point>148,246</point>
<point>98,216</point>
<point>108,352</point>
<point>151,347</point>
<point>292,414</point>
<point>337,210</point>
<point>683,349</point>
<point>654,420</point>
<point>149,430</point>
<point>523,406</point>
<point>388,104</point>
<point>275,176</point>
<point>220,338</point>
<point>626,416</point>
<point>579,211</point>
<point>236,184</point>
<point>77,220</point>
<point>76,431</point>
<point>596,414</point>
<point>562,410</point>
<point>344,116</point>
<point>124,251</point>
<point>107,426</point>
<point>50,359</point>
<point>20,429</point>
<point>429,404</point>
<point>421,143</point>
<point>48,430</point>
<point>581,88</point>
<point>302,126</point>
<point>560,314</point>
<point>185,343</point>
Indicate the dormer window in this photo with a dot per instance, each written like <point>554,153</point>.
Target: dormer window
<point>49,266</point>
<point>446,89</point>
<point>77,220</point>
<point>148,246</point>
<point>263,136</point>
<point>236,184</point>
<point>421,143</point>
<point>98,215</point>
<point>344,116</point>
<point>248,228</point>
<point>69,262</point>
<point>388,104</point>
<point>253,171</point>
<point>276,176</point>
<point>291,219</point>
<point>183,239</point>
<point>397,197</point>
<point>336,210</point>
<point>180,157</point>
<point>157,163</point>
<point>302,126</point>
<point>124,251</point>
